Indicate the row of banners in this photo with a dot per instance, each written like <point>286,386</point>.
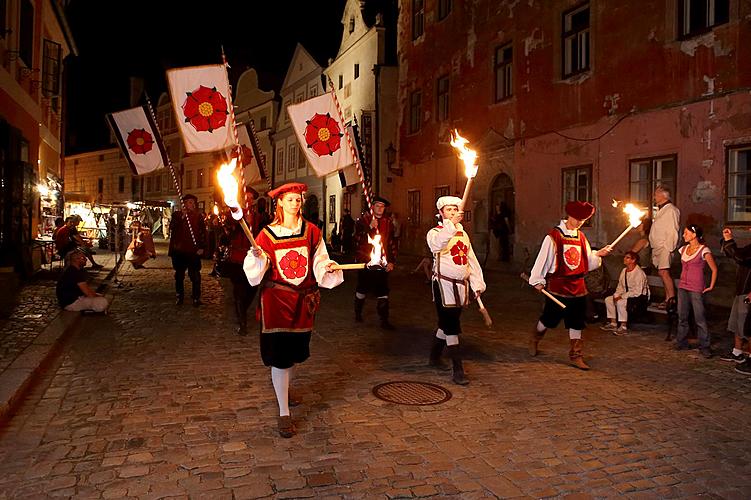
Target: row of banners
<point>201,100</point>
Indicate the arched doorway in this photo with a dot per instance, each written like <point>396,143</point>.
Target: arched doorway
<point>501,212</point>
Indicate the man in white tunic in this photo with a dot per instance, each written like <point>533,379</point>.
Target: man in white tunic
<point>456,274</point>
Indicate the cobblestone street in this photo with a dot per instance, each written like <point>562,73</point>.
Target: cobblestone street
<point>157,400</point>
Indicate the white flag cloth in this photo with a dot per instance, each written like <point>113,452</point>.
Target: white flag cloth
<point>139,140</point>
<point>200,99</point>
<point>250,163</point>
<point>320,133</point>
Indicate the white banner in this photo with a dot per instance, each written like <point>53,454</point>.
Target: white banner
<point>200,99</point>
<point>138,139</point>
<point>321,134</point>
<point>250,163</point>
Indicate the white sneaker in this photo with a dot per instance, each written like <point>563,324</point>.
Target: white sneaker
<point>621,330</point>
<point>609,327</point>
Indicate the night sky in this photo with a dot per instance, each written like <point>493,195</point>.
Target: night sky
<point>118,39</point>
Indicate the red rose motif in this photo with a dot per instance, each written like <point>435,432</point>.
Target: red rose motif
<point>459,253</point>
<point>247,155</point>
<point>205,109</point>
<point>139,141</point>
<point>322,134</point>
<point>572,257</point>
<point>294,265</point>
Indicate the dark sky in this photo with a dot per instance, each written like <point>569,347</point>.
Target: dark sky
<point>117,39</point>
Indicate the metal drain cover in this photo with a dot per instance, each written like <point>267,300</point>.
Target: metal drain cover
<point>411,393</point>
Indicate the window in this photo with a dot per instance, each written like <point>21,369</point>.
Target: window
<point>646,175</point>
<point>100,185</point>
<point>26,33</point>
<point>739,184</point>
<point>291,157</point>
<point>263,123</point>
<point>577,185</point>
<point>3,17</point>
<point>300,159</point>
<point>332,208</point>
<point>286,104</point>
<point>357,71</point>
<point>149,183</point>
<point>504,87</point>
<point>442,91</point>
<point>347,90</point>
<point>300,97</point>
<point>413,207</point>
<point>699,16</point>
<point>348,113</point>
<point>418,18</point>
<point>51,68</point>
<point>121,184</point>
<point>210,179</point>
<point>441,191</point>
<point>351,24</point>
<point>444,9</point>
<point>199,178</point>
<point>189,179</point>
<point>280,161</point>
<point>415,110</point>
<point>133,187</point>
<point>576,41</point>
<point>341,82</point>
<point>313,90</point>
<point>158,183</point>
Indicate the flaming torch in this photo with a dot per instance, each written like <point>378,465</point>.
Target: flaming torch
<point>229,186</point>
<point>634,216</point>
<point>216,209</point>
<point>377,257</point>
<point>469,157</point>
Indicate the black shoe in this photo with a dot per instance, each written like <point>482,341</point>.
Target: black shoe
<point>744,368</point>
<point>385,325</point>
<point>197,302</point>
<point>706,352</point>
<point>740,358</point>
<point>681,347</point>
<point>179,300</point>
<point>241,331</point>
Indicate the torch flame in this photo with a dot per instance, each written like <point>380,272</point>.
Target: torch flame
<point>634,214</point>
<point>216,210</point>
<point>615,203</point>
<point>376,256</point>
<point>468,156</point>
<point>230,188</point>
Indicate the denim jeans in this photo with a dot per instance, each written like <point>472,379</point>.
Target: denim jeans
<point>695,301</point>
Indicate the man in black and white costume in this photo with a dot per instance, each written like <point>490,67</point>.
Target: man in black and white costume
<point>456,277</point>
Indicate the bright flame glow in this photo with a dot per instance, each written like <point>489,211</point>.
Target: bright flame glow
<point>216,209</point>
<point>43,190</point>
<point>230,187</point>
<point>634,214</point>
<point>468,156</point>
<point>377,258</point>
<point>615,203</point>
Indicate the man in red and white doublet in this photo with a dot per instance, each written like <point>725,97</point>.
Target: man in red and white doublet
<point>564,259</point>
<point>291,265</point>
<point>457,278</point>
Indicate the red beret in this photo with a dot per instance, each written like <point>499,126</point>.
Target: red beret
<point>580,210</point>
<point>290,187</point>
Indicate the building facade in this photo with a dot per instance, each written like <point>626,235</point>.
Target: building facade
<point>567,100</point>
<point>34,42</point>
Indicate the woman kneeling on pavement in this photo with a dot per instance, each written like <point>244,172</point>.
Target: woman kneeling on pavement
<point>290,265</point>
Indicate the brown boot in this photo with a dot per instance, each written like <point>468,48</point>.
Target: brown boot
<point>286,427</point>
<point>435,355</point>
<point>575,354</point>
<point>293,399</point>
<point>534,338</point>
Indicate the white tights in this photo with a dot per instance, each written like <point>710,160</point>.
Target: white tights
<point>281,377</point>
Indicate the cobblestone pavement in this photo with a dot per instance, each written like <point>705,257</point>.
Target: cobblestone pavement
<point>35,307</point>
<point>157,401</point>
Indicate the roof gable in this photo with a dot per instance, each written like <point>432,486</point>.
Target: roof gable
<point>302,64</point>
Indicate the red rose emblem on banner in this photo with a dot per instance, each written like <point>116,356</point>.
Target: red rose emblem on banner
<point>139,141</point>
<point>247,155</point>
<point>573,257</point>
<point>205,109</point>
<point>322,134</point>
<point>294,265</point>
<point>459,253</point>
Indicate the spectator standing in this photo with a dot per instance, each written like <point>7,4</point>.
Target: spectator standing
<point>739,311</point>
<point>500,224</point>
<point>347,231</point>
<point>73,291</point>
<point>185,253</point>
<point>663,238</point>
<point>631,295</point>
<point>691,288</point>
<point>397,230</point>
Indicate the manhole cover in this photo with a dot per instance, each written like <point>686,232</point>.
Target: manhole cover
<point>411,393</point>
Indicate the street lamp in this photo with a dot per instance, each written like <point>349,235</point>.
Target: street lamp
<point>391,159</point>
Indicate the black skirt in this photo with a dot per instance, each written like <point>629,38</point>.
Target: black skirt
<point>284,349</point>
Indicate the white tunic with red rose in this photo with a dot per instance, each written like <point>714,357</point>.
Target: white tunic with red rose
<point>292,268</point>
<point>455,265</point>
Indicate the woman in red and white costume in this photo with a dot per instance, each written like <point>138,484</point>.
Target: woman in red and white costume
<point>291,265</point>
